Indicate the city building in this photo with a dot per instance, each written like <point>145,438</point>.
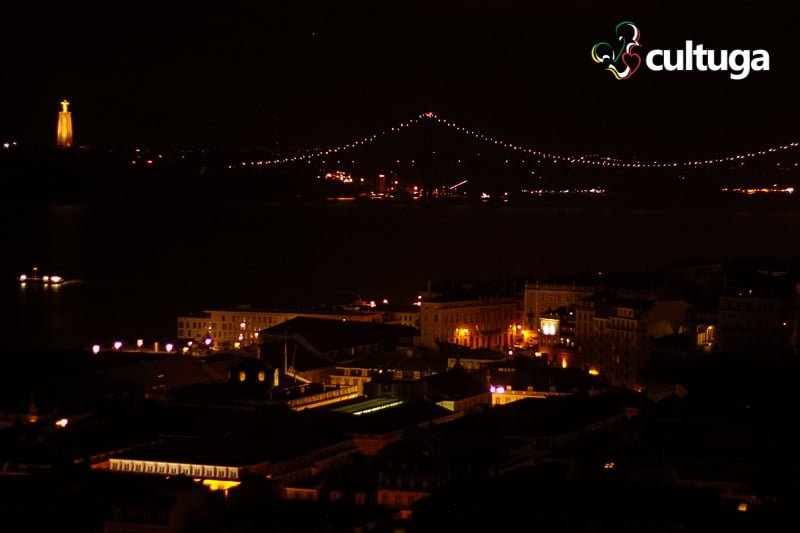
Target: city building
<point>543,297</point>
<point>556,334</point>
<point>475,359</point>
<point>253,384</point>
<point>611,337</point>
<point>473,322</point>
<point>525,378</point>
<point>231,460</point>
<point>612,334</point>
<point>153,505</point>
<point>393,313</point>
<point>242,324</point>
<point>405,315</point>
<point>458,390</point>
<point>406,365</point>
<point>757,312</point>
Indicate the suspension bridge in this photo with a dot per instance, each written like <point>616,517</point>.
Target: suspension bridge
<point>586,161</point>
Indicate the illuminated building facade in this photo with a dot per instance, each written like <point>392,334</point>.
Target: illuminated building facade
<point>542,297</point>
<point>175,468</point>
<point>64,133</point>
<point>503,394</point>
<point>475,323</point>
<point>556,334</point>
<point>568,291</point>
<point>228,326</point>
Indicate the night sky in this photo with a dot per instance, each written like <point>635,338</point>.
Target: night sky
<point>253,75</point>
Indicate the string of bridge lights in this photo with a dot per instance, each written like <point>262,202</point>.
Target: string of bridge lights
<point>592,160</point>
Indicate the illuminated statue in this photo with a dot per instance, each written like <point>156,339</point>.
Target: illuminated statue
<point>64,137</point>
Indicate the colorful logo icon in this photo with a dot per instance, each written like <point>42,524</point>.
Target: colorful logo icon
<point>621,59</point>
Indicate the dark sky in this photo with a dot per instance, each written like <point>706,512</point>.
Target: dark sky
<point>231,74</point>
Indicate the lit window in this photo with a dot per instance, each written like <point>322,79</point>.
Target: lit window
<point>262,376</point>
<point>242,375</point>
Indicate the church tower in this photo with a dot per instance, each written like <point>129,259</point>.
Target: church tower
<point>64,137</point>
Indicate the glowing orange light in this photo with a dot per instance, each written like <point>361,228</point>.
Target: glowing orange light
<point>217,484</point>
<point>64,132</point>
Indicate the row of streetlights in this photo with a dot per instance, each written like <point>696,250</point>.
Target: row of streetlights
<point>168,347</point>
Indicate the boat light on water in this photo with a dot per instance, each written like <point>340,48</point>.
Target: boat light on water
<point>35,276</point>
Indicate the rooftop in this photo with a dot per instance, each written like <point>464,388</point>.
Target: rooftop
<point>328,335</point>
<point>387,417</point>
<point>456,384</point>
<point>322,311</point>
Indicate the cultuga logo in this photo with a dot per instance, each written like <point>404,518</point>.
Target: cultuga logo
<point>622,60</point>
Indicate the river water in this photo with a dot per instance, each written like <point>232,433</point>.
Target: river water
<point>136,266</point>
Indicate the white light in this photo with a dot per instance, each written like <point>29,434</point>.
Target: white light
<point>62,422</point>
<point>569,159</point>
<point>168,346</point>
<point>96,349</point>
<point>139,343</point>
<point>117,345</point>
<point>23,277</point>
<point>208,341</point>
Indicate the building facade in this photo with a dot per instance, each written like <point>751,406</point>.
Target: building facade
<point>476,323</point>
<point>545,298</point>
<point>228,326</point>
<point>611,337</point>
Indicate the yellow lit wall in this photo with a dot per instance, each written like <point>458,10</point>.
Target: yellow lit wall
<point>470,323</point>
